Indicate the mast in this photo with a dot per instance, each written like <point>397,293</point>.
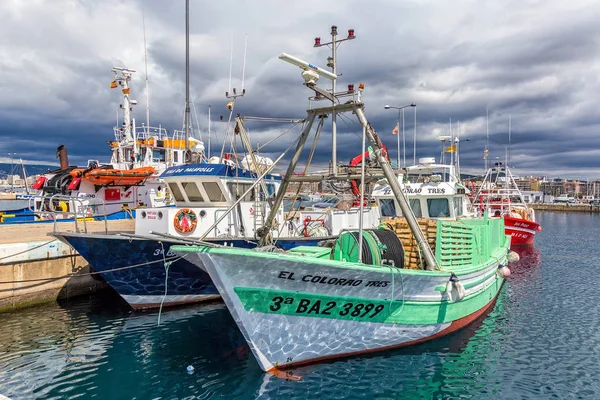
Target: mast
<point>486,152</point>
<point>147,84</point>
<point>208,131</point>
<point>187,75</point>
<point>333,88</point>
<point>24,176</point>
<point>332,63</point>
<point>508,150</point>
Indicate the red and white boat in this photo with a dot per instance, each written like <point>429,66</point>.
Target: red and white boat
<point>500,196</point>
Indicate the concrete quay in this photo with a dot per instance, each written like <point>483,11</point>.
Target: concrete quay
<point>569,207</point>
<point>36,267</point>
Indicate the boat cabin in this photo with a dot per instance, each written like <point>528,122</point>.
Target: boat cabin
<point>203,193</point>
<point>433,191</point>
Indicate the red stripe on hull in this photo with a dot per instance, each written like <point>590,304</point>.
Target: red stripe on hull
<point>454,326</point>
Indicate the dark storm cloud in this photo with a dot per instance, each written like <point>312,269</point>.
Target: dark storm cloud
<point>534,61</point>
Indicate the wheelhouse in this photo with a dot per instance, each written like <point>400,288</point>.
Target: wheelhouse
<point>433,191</point>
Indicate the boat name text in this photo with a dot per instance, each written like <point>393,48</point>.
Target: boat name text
<point>331,280</point>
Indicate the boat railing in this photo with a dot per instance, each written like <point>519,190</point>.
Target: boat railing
<point>178,135</point>
<point>73,205</point>
<point>145,133</point>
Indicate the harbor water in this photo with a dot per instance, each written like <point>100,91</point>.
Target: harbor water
<point>539,341</point>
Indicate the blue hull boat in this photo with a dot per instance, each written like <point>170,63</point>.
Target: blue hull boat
<point>135,267</point>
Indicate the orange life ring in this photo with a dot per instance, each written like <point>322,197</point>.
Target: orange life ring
<point>185,221</point>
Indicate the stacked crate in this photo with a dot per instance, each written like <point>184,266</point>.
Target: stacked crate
<point>412,259</point>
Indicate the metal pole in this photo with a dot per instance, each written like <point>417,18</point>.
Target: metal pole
<point>209,131</point>
<point>362,195</point>
<point>12,177</point>
<point>187,74</point>
<point>375,142</point>
<point>403,141</point>
<point>398,137</point>
<point>415,140</point>
<point>333,88</point>
<point>286,180</point>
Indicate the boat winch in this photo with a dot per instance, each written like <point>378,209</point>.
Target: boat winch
<point>379,247</point>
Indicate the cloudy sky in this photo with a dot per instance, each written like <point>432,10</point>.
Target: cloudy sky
<point>535,61</point>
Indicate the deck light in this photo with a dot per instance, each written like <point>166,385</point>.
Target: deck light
<point>351,34</point>
<point>351,88</point>
<point>317,42</point>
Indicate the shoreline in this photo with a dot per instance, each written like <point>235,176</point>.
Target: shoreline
<point>588,208</point>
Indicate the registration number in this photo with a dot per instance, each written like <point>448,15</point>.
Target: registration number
<point>327,308</point>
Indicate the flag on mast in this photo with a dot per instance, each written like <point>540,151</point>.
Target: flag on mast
<point>396,130</point>
<point>450,149</point>
<point>113,84</point>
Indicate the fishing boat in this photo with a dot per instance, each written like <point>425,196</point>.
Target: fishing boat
<point>115,189</point>
<point>500,197</point>
<point>371,289</point>
<point>203,193</point>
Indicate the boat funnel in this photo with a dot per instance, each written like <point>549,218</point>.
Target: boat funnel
<point>61,153</point>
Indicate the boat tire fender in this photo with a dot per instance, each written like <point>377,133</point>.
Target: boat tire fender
<point>503,271</point>
<point>455,289</point>
<point>512,257</point>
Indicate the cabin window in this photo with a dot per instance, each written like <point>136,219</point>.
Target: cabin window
<point>174,188</point>
<point>158,155</point>
<point>388,207</point>
<point>415,205</point>
<point>214,192</point>
<point>175,156</point>
<point>238,189</point>
<point>458,206</point>
<point>192,192</point>
<point>438,208</point>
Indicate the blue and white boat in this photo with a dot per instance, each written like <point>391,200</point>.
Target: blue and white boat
<point>140,266</point>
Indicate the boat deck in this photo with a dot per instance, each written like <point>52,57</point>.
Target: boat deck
<point>19,233</point>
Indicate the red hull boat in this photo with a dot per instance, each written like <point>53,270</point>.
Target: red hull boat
<point>521,231</point>
<point>500,197</point>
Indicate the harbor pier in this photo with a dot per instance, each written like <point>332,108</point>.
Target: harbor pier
<point>566,207</point>
<point>36,267</point>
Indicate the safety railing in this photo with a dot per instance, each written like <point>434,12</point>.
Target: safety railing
<point>73,210</point>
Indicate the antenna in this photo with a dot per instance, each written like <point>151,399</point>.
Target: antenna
<point>332,63</point>
<point>244,66</point>
<point>187,75</point>
<point>230,63</point>
<point>233,94</point>
<point>486,152</point>
<point>146,65</point>
<point>508,151</point>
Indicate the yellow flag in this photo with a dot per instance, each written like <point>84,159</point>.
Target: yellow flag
<point>396,129</point>
<point>450,149</point>
<point>230,105</point>
<point>113,84</point>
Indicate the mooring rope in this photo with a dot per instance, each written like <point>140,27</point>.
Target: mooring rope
<point>172,259</point>
<point>27,250</point>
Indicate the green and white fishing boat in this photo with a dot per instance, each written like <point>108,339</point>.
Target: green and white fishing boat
<point>372,289</point>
